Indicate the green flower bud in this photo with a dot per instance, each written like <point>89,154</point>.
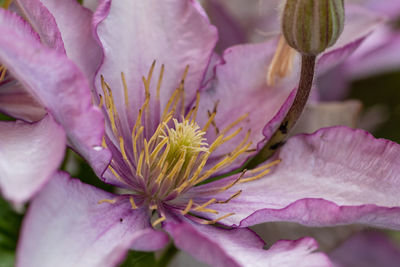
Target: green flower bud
<point>311,26</point>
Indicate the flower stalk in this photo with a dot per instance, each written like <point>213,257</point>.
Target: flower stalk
<point>310,27</point>
<point>303,92</point>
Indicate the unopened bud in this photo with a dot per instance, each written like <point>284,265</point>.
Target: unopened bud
<point>311,26</point>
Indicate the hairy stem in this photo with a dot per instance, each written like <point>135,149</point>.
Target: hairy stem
<point>303,92</point>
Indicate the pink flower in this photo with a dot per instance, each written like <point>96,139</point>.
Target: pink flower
<point>177,115</point>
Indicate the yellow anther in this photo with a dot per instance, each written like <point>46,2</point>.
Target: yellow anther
<point>210,120</point>
<point>140,164</point>
<point>116,174</point>
<point>233,124</point>
<point>218,219</point>
<point>160,78</point>
<point>169,103</point>
<point>230,198</point>
<point>211,201</point>
<point>110,201</point>
<point>158,221</point>
<point>253,178</point>
<point>153,207</point>
<point>233,183</point>
<point>125,90</point>
<point>133,204</point>
<point>233,135</point>
<point>188,207</point>
<point>181,89</point>
<point>207,210</point>
<point>265,166</point>
<point>146,153</point>
<point>194,110</point>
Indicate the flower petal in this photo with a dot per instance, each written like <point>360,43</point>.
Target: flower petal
<point>75,25</point>
<point>29,155</point>
<point>240,88</point>
<point>174,33</point>
<point>240,247</point>
<point>367,250</point>
<point>17,103</point>
<point>360,23</point>
<point>65,226</point>
<point>335,176</point>
<point>57,84</point>
<point>42,22</point>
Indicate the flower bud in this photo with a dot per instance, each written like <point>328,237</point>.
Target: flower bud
<point>311,26</point>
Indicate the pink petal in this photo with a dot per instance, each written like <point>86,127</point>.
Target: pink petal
<point>335,176</point>
<point>360,23</point>
<point>365,249</point>
<point>174,33</point>
<point>240,87</point>
<point>42,22</point>
<point>65,226</point>
<point>75,25</point>
<point>240,247</point>
<point>17,103</point>
<point>57,84</point>
<point>377,55</point>
<point>29,156</point>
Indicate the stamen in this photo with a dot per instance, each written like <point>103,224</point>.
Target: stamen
<point>101,101</point>
<point>230,198</point>
<point>125,90</point>
<point>169,103</point>
<point>282,62</point>
<point>158,221</point>
<point>265,166</point>
<point>116,174</point>
<point>139,164</point>
<point>110,201</point>
<point>3,71</point>
<point>255,177</point>
<point>194,109</point>
<point>133,204</point>
<point>208,210</point>
<point>233,124</point>
<point>188,207</point>
<point>233,135</point>
<point>103,142</point>
<point>153,207</point>
<point>181,88</point>
<point>211,201</point>
<point>160,81</point>
<point>210,120</point>
<point>234,182</point>
<point>218,219</point>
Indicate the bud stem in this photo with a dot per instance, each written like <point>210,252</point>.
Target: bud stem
<point>303,92</point>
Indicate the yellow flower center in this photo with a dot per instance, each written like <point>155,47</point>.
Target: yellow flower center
<point>166,164</point>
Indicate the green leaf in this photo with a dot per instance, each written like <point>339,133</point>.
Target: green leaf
<point>139,259</point>
<point>10,224</point>
<point>7,258</point>
<point>382,90</point>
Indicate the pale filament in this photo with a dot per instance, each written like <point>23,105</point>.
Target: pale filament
<point>282,62</point>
